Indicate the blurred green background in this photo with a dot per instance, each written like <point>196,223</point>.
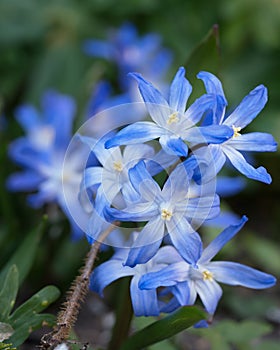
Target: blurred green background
<point>40,48</point>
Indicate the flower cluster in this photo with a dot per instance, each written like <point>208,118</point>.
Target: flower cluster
<point>53,172</point>
<point>168,189</point>
<point>161,176</point>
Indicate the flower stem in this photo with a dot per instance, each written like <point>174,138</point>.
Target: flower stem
<point>123,315</point>
<point>76,295</point>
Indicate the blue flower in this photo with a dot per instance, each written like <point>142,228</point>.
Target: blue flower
<point>203,275</point>
<point>244,113</point>
<point>108,183</point>
<point>171,123</point>
<point>132,53</point>
<point>112,174</point>
<point>144,302</point>
<point>175,209</point>
<point>41,153</point>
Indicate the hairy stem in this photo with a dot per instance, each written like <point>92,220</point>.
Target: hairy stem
<point>75,296</point>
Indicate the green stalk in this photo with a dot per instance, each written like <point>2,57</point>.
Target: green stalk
<point>123,315</point>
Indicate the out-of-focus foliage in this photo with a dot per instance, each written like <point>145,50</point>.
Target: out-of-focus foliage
<point>241,335</point>
<point>16,325</point>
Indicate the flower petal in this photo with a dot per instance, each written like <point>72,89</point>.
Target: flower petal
<point>182,292</point>
<point>155,102</point>
<point>147,243</point>
<point>28,117</point>
<point>180,91</point>
<point>144,302</point>
<point>98,48</point>
<point>240,163</point>
<point>108,272</point>
<point>185,239</point>
<point>136,212</point>
<point>133,153</point>
<point>196,110</point>
<point>254,141</point>
<point>167,255</point>
<point>143,182</point>
<point>136,133</point>
<point>160,161</point>
<point>177,185</point>
<point>174,145</point>
<point>168,276</point>
<point>213,134</point>
<point>217,244</point>
<point>210,293</point>
<point>203,208</point>
<point>214,86</point>
<point>24,181</point>
<point>237,274</point>
<point>92,176</point>
<point>59,111</point>
<point>249,108</point>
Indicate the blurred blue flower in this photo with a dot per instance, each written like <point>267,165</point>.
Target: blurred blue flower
<point>175,210</point>
<point>41,153</point>
<point>244,113</point>
<point>171,123</point>
<point>203,275</point>
<point>132,53</point>
<point>144,302</point>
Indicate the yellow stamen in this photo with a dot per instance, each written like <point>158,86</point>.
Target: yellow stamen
<point>118,166</point>
<point>173,118</point>
<point>207,275</point>
<point>166,214</point>
<point>236,131</point>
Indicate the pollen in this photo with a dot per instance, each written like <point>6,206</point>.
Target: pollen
<point>173,118</point>
<point>207,275</point>
<point>118,166</point>
<point>236,131</point>
<point>166,214</point>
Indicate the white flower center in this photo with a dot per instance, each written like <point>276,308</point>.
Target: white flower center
<point>42,137</point>
<point>173,118</point>
<point>207,275</point>
<point>166,214</point>
<point>118,166</point>
<point>236,131</point>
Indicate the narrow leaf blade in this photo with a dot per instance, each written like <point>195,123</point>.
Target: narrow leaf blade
<point>9,292</point>
<point>205,57</point>
<point>24,256</point>
<point>165,328</point>
<point>37,303</point>
<point>23,331</point>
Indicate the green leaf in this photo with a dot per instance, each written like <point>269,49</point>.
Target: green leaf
<point>35,304</point>
<point>24,256</point>
<point>6,331</point>
<point>205,56</point>
<point>8,293</point>
<point>25,319</point>
<point>4,346</point>
<point>32,323</point>
<point>165,328</point>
